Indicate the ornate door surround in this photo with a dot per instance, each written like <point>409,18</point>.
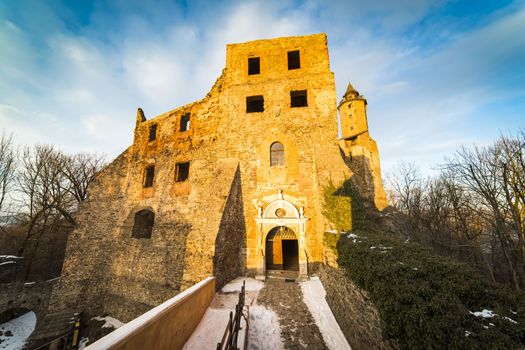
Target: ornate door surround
<point>281,211</point>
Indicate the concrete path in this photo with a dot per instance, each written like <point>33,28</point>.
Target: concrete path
<point>278,316</point>
<point>298,328</point>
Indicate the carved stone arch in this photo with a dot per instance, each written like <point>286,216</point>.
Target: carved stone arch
<point>281,208</point>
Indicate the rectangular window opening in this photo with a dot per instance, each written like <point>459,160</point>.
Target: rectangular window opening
<point>254,104</point>
<point>298,98</point>
<point>182,172</point>
<point>254,65</point>
<point>185,122</point>
<point>294,61</point>
<point>153,132</point>
<point>149,175</point>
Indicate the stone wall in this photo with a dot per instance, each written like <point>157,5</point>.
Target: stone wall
<point>24,296</point>
<point>356,314</point>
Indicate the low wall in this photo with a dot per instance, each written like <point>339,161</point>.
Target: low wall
<point>167,326</point>
<point>30,295</point>
<point>356,314</point>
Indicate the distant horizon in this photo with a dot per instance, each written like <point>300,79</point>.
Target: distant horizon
<point>437,74</point>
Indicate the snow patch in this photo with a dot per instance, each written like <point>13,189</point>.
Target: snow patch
<point>265,331</point>
<point>109,322</point>
<point>83,343</point>
<point>213,323</point>
<point>251,285</point>
<point>8,263</point>
<point>10,257</point>
<point>353,237</point>
<point>209,331</point>
<point>485,313</point>
<point>15,332</point>
<point>510,320</point>
<point>314,296</point>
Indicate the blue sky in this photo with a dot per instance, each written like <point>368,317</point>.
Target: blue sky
<point>437,74</point>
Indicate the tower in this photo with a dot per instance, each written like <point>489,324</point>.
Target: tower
<point>352,111</point>
<point>361,152</point>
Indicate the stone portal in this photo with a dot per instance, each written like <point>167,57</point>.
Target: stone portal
<point>281,237</point>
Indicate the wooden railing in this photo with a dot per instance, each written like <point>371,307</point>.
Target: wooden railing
<point>231,334</point>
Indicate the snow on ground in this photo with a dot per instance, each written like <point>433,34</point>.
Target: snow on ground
<point>314,297</point>
<point>14,333</point>
<point>235,285</point>
<point>264,332</point>
<point>209,331</point>
<point>110,322</point>
<point>264,329</point>
<point>83,343</point>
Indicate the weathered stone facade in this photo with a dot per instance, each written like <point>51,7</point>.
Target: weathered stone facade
<point>214,219</point>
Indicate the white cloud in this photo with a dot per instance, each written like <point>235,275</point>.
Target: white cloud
<point>89,81</point>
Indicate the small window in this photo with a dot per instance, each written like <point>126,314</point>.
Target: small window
<point>294,61</point>
<point>182,172</point>
<point>298,98</point>
<point>143,224</point>
<point>149,175</point>
<point>276,154</point>
<point>254,104</point>
<point>185,122</point>
<point>254,65</point>
<point>153,132</point>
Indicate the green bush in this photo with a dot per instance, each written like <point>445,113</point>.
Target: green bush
<point>425,301</point>
<point>343,206</point>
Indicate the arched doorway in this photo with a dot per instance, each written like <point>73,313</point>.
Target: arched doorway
<point>282,249</point>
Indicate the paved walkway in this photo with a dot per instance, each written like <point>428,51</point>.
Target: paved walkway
<point>298,328</point>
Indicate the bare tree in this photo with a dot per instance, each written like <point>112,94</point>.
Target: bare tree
<point>475,209</point>
<point>52,185</point>
<point>7,171</point>
<point>80,169</point>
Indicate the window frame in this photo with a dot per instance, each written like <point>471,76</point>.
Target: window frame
<point>294,59</point>
<point>298,98</point>
<point>143,223</point>
<point>250,100</point>
<point>177,171</point>
<point>254,65</point>
<point>152,136</point>
<point>187,124</point>
<point>276,154</point>
<point>146,183</point>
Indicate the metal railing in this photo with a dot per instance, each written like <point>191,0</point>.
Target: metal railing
<point>231,334</point>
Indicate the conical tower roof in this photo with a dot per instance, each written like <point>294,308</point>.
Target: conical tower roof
<point>351,91</point>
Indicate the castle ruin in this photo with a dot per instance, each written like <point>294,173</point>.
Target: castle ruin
<point>229,185</point>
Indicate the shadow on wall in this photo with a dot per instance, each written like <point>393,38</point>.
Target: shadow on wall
<point>362,178</point>
<point>148,263</point>
<point>230,244</point>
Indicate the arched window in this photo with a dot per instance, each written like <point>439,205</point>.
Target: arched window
<point>143,224</point>
<point>276,154</point>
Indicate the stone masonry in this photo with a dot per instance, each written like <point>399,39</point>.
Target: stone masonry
<point>214,177</point>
